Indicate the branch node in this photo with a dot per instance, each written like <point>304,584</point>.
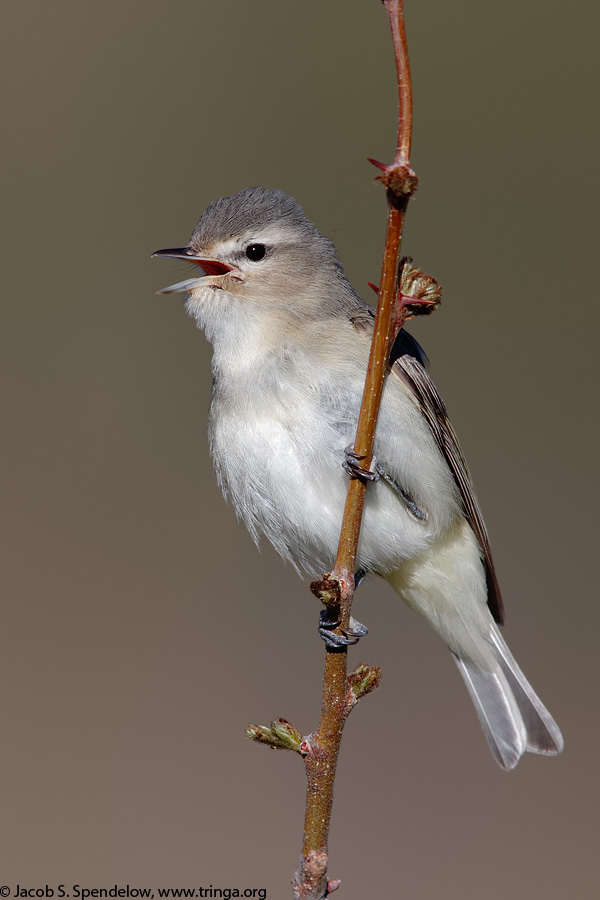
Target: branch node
<point>309,880</point>
<point>399,179</point>
<point>306,748</point>
<point>419,294</point>
<point>328,590</point>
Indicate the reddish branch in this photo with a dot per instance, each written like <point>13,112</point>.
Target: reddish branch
<point>310,882</point>
<point>340,690</point>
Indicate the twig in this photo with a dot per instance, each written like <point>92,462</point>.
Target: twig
<point>336,590</point>
<point>341,692</point>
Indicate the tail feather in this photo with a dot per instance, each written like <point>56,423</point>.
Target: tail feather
<point>497,711</point>
<point>513,717</point>
<point>543,734</point>
<point>446,585</point>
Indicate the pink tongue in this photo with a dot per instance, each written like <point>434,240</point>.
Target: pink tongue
<point>212,266</point>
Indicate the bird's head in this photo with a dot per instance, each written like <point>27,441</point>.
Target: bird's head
<point>258,247</point>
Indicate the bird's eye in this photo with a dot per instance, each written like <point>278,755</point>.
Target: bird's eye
<point>255,251</point>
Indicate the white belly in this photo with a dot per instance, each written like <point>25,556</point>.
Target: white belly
<point>282,470</point>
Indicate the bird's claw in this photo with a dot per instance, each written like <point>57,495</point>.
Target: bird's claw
<point>353,467</point>
<point>349,636</point>
<point>356,629</point>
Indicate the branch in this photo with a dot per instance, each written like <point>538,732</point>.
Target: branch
<point>337,589</point>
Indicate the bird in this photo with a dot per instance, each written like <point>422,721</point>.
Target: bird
<point>291,338</point>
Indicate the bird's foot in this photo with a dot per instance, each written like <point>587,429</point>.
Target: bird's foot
<point>349,636</point>
<point>353,467</point>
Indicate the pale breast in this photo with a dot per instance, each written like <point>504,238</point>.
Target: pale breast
<point>278,446</point>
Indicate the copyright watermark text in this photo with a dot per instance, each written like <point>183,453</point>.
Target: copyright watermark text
<point>79,892</point>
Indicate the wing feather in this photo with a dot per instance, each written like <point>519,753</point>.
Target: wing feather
<point>415,377</point>
<point>408,361</point>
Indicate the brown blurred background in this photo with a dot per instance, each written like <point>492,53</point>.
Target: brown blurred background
<point>140,628</point>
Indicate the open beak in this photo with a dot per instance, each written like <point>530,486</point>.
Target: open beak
<point>208,266</point>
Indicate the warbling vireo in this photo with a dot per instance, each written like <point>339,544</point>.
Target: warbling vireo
<point>291,340</point>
